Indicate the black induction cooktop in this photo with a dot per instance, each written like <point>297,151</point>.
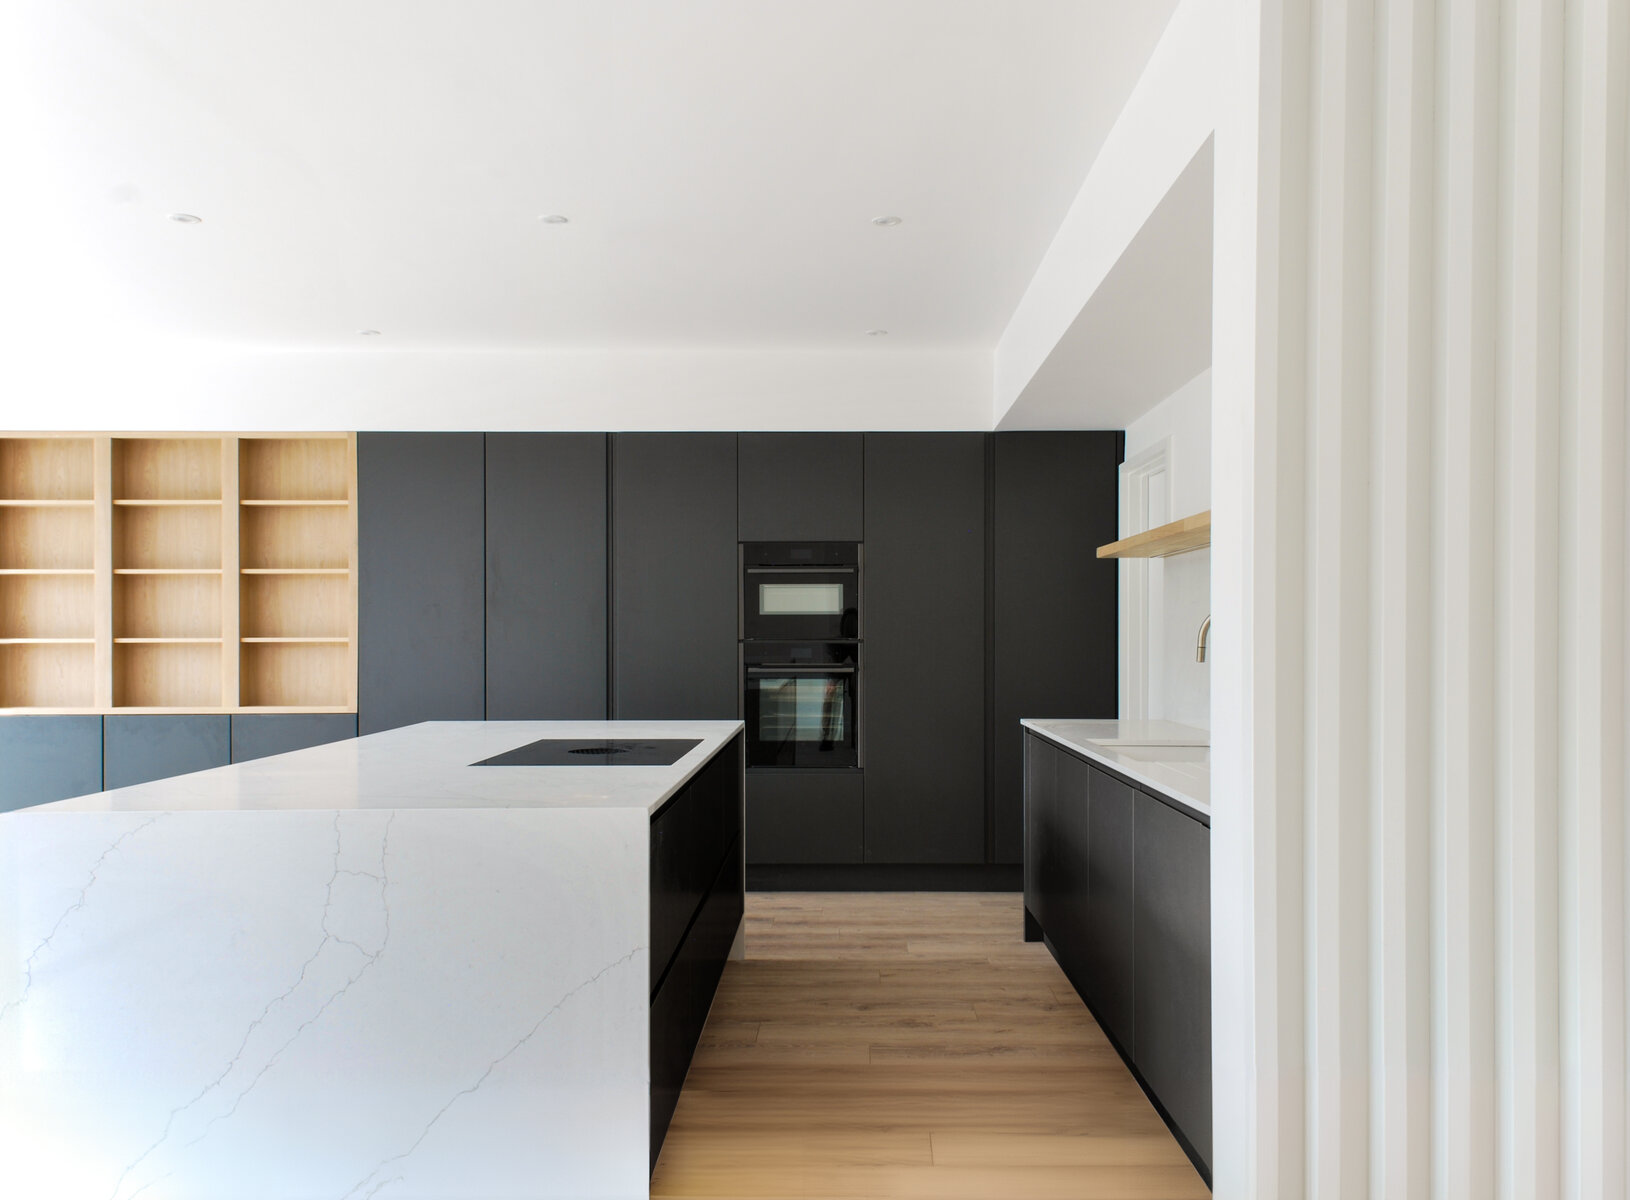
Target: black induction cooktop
<point>594,752</point>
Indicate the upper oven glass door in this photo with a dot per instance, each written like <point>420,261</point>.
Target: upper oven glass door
<point>792,603</point>
<point>801,716</point>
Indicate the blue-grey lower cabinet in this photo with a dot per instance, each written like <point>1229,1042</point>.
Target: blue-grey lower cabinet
<point>48,758</point>
<point>260,735</point>
<point>698,890</point>
<point>1117,881</point>
<point>140,749</point>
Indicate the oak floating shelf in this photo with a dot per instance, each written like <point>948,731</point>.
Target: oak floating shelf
<point>177,573</point>
<point>1179,537</point>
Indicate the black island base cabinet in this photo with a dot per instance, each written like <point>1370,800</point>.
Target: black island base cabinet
<point>698,887</point>
<point>1117,881</point>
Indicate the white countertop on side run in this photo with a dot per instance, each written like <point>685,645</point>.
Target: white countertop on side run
<point>427,766</point>
<point>1161,755</point>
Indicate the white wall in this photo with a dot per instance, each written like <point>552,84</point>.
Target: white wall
<point>1418,840</point>
<point>1174,593</point>
<point>164,384</point>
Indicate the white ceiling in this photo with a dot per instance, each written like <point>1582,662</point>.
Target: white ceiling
<point>382,163</point>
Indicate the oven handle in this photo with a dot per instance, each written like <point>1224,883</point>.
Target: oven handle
<point>799,669</point>
<point>800,570</point>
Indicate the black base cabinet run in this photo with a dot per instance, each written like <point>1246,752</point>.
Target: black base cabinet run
<point>697,897</point>
<point>1117,881</point>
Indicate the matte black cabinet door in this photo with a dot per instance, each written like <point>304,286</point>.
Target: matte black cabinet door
<point>260,735</point>
<point>1055,497</point>
<point>421,612</point>
<point>1040,832</point>
<point>805,817</point>
<point>1072,854</point>
<point>546,576</point>
<point>674,576</point>
<point>1173,952</point>
<point>1111,906</point>
<point>801,487</point>
<point>140,749</point>
<point>48,758</point>
<point>922,709</point>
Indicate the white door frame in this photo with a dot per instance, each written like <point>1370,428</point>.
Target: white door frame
<point>1136,651</point>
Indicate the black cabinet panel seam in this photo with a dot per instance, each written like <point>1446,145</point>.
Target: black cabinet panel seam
<point>990,649</point>
<point>611,579</point>
<point>486,673</point>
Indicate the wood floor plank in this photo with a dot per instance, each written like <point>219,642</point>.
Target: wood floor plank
<point>908,1045</point>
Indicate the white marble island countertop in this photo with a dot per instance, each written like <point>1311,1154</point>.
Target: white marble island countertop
<point>427,766</point>
<point>1172,759</point>
<point>367,969</point>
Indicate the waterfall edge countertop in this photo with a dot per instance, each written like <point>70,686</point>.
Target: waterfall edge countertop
<point>1162,755</point>
<point>370,968</point>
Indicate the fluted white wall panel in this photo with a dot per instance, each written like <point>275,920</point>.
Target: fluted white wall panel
<point>1419,850</point>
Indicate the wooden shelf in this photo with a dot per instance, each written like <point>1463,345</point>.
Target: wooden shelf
<point>131,563</point>
<point>1179,537</point>
<point>167,503</point>
<point>295,641</point>
<point>294,503</point>
<point>296,570</point>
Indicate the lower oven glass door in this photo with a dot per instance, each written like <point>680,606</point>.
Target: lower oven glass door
<point>801,716</point>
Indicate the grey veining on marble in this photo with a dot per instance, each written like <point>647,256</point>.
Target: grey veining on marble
<point>1158,754</point>
<point>271,981</point>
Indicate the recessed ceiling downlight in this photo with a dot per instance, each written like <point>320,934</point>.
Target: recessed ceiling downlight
<point>886,221</point>
<point>368,332</point>
<point>186,219</point>
<point>554,218</point>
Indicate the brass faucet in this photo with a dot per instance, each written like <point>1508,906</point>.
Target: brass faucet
<point>1200,642</point>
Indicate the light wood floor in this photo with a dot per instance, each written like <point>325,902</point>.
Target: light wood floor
<point>908,1044</point>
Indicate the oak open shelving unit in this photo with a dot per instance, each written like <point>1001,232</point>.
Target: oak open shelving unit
<point>169,573</point>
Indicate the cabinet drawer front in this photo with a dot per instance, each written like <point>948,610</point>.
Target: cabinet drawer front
<point>689,839</point>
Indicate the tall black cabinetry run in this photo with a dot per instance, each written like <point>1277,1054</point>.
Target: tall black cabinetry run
<point>1054,632</point>
<point>546,576</point>
<point>923,703</point>
<point>805,487</point>
<point>673,576</point>
<point>800,487</point>
<point>421,623</point>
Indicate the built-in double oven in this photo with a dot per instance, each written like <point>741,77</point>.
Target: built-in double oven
<point>801,645</point>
